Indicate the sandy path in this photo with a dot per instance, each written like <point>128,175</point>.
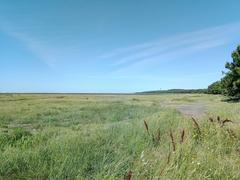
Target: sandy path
<point>193,110</point>
<point>190,109</point>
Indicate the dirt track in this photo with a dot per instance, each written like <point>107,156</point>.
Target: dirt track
<point>191,109</point>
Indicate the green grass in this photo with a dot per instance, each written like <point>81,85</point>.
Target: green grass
<point>104,137</point>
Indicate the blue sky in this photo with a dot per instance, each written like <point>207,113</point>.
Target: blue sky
<point>115,46</point>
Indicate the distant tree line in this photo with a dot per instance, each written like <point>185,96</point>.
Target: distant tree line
<point>230,84</point>
<point>175,91</point>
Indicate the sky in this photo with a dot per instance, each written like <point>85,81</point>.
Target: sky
<point>115,46</point>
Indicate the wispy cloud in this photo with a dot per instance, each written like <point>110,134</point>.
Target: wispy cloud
<point>36,46</point>
<point>172,47</point>
<point>44,48</point>
<point>126,59</point>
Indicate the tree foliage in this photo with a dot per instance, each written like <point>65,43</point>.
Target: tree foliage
<point>215,88</point>
<point>231,81</point>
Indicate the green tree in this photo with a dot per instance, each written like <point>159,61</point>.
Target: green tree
<point>231,81</point>
<point>215,88</point>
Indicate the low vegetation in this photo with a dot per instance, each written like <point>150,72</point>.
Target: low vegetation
<point>117,136</point>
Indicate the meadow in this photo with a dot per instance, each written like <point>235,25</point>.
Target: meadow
<point>93,136</point>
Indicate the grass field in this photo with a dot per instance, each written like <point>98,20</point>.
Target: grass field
<point>83,136</point>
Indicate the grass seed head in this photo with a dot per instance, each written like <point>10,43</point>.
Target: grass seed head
<point>158,138</point>
<point>173,141</point>
<point>146,126</point>
<point>226,121</point>
<point>196,125</point>
<point>211,119</point>
<point>128,176</point>
<point>231,133</point>
<point>182,136</point>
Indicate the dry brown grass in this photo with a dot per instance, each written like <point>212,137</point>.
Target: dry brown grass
<point>196,125</point>
<point>182,136</point>
<point>128,176</point>
<point>146,127</point>
<point>172,141</point>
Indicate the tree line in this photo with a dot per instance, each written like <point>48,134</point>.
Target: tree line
<point>175,91</point>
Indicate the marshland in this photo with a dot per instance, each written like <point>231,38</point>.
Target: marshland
<point>94,136</point>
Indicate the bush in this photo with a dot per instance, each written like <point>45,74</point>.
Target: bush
<point>215,88</point>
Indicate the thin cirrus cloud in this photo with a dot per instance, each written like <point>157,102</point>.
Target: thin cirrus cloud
<point>31,43</point>
<point>172,47</point>
<point>43,48</point>
<point>133,57</point>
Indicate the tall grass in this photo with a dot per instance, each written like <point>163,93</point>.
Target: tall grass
<point>119,138</point>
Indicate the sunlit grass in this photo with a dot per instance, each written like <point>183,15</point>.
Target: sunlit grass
<point>104,137</point>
